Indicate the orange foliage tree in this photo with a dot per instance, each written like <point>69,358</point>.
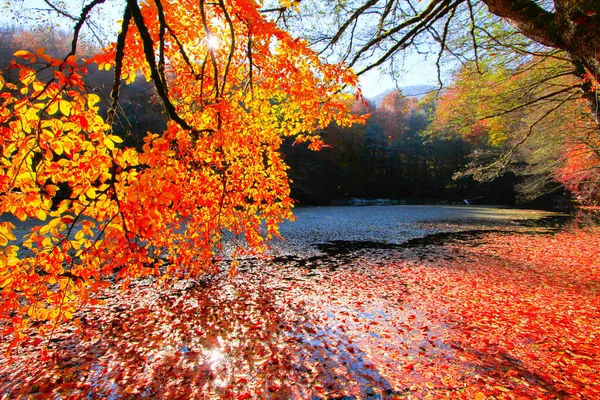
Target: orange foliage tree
<point>393,114</point>
<point>232,83</point>
<point>580,169</point>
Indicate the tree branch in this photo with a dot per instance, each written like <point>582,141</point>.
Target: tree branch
<point>84,15</point>
<point>120,52</point>
<point>421,22</point>
<point>154,73</point>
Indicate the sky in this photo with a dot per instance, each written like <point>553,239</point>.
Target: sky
<point>419,71</point>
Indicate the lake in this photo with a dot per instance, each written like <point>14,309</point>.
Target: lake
<point>397,224</point>
<point>378,225</point>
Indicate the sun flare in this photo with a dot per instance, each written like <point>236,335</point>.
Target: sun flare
<point>212,42</point>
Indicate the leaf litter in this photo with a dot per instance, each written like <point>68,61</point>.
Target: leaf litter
<point>500,315</point>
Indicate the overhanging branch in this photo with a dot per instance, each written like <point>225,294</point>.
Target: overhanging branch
<point>148,45</point>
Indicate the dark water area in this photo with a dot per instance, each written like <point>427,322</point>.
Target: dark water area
<point>321,232</point>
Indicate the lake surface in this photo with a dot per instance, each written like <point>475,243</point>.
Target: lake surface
<point>396,224</point>
<point>379,225</point>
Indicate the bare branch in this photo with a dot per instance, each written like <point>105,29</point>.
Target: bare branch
<point>354,16</point>
<point>529,18</point>
<point>503,161</point>
<point>161,42</point>
<point>213,59</point>
<point>530,103</point>
<point>59,11</point>
<point>421,22</point>
<point>82,19</point>
<point>154,73</point>
<point>232,45</point>
<point>120,52</point>
<point>473,37</point>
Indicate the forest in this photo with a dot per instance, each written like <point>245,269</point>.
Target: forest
<point>423,149</point>
<point>160,164</point>
<point>390,157</point>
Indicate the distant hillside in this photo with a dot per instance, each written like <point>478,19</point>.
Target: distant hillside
<point>417,91</point>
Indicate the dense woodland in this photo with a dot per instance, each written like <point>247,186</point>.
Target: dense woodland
<point>392,157</point>
<point>519,112</point>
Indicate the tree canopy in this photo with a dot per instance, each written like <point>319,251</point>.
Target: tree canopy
<point>524,69</point>
<point>232,84</point>
<point>368,34</point>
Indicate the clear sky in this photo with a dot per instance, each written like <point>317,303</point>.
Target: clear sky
<point>419,71</point>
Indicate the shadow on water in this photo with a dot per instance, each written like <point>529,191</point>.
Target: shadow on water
<point>336,252</point>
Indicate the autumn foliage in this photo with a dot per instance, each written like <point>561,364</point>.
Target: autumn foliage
<point>505,316</point>
<point>233,84</point>
<point>529,119</point>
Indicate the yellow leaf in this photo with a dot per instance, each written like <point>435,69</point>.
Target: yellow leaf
<point>65,107</point>
<point>115,138</point>
<point>6,282</point>
<point>57,147</point>
<point>91,193</point>
<point>52,108</point>
<point>79,235</point>
<point>54,312</point>
<point>109,143</point>
<point>77,244</point>
<point>6,227</point>
<point>22,53</point>
<point>37,86</point>
<point>27,76</point>
<point>40,214</point>
<point>92,99</point>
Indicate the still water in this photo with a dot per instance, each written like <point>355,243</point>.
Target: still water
<point>397,224</point>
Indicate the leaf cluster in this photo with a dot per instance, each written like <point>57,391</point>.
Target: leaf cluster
<point>232,84</point>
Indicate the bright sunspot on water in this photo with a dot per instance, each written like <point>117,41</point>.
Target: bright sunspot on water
<point>215,356</point>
